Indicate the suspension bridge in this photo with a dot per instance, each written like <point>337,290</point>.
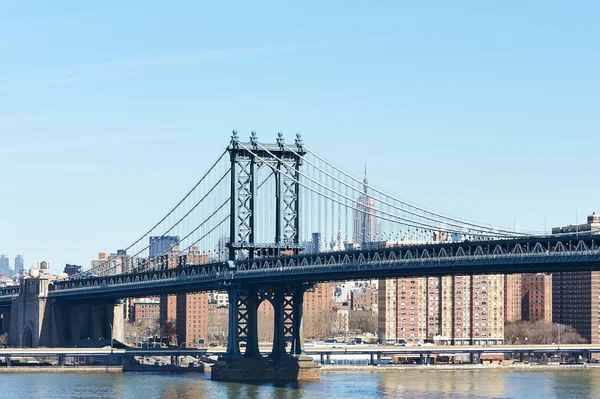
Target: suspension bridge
<point>269,221</point>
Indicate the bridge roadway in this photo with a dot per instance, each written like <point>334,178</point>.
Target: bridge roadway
<point>519,255</point>
<point>319,350</point>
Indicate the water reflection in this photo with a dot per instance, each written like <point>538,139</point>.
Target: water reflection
<point>489,383</point>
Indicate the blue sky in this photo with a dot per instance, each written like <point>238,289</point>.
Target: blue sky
<point>483,110</point>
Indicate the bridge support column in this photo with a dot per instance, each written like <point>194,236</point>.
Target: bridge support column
<point>8,361</point>
<point>252,325</point>
<point>243,322</point>
<point>298,334</point>
<point>61,360</point>
<point>95,316</point>
<point>233,348</point>
<point>278,350</point>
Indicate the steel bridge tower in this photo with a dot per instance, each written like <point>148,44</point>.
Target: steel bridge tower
<point>247,158</point>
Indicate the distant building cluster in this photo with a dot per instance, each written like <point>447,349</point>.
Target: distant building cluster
<point>6,270</point>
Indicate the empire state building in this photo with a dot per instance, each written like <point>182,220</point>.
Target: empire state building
<point>365,224</point>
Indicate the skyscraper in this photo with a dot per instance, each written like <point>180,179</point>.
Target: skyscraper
<point>19,263</point>
<point>365,223</point>
<point>4,265</point>
<point>162,244</point>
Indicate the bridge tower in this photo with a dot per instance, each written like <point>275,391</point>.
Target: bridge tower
<point>283,238</point>
<point>246,161</point>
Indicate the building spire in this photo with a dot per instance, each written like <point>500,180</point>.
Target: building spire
<point>365,181</point>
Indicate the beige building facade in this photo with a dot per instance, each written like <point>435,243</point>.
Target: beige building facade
<point>455,310</point>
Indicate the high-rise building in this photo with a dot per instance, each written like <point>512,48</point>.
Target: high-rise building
<point>575,294</point>
<point>162,244</point>
<point>512,298</point>
<point>188,313</point>
<point>4,265</point>
<point>19,263</point>
<point>528,297</point>
<point>457,310</point>
<point>537,297</point>
<point>365,222</point>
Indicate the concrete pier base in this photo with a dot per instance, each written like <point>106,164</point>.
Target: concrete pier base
<point>289,368</point>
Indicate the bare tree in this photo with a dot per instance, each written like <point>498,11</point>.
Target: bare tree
<point>168,330</point>
<point>540,333</point>
<point>217,327</point>
<point>265,326</point>
<point>138,331</point>
<point>330,322</point>
<point>364,321</point>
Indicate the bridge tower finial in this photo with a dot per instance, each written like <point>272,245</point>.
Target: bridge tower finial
<point>234,139</point>
<point>254,139</point>
<point>299,142</point>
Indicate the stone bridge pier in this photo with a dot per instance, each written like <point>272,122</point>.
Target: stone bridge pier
<point>38,320</point>
<point>86,324</point>
<point>4,320</point>
<point>280,364</point>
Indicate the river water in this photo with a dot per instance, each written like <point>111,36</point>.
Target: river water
<point>491,383</point>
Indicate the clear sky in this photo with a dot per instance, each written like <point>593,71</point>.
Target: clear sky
<point>111,110</point>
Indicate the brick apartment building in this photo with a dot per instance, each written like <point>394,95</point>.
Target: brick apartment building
<point>575,294</point>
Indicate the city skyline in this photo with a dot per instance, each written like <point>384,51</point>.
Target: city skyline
<point>447,107</point>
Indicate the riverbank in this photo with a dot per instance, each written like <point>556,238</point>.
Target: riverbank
<point>59,369</point>
<point>438,367</point>
<point>101,369</point>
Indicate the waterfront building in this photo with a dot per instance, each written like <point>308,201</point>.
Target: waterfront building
<point>528,297</point>
<point>575,294</point>
<point>187,313</point>
<point>458,310</point>
<point>537,297</point>
<point>512,298</point>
